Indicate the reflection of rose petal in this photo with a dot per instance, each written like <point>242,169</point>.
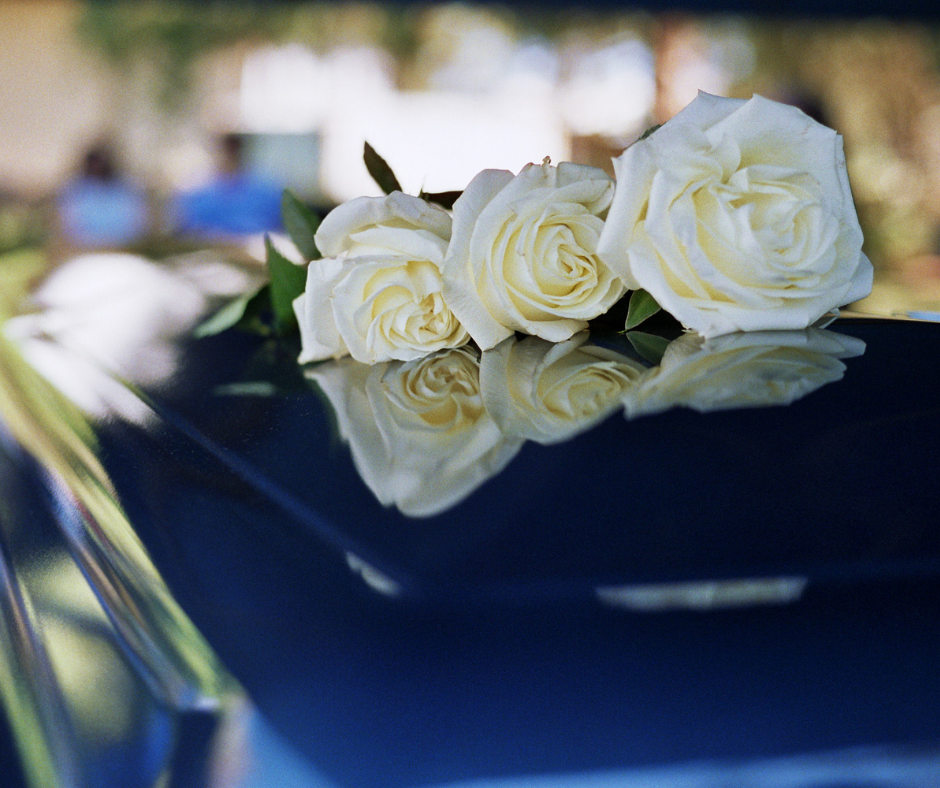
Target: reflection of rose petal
<point>418,433</point>
<point>742,370</point>
<point>549,392</point>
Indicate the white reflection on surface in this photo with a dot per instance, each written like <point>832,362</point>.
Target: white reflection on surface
<point>425,434</point>
<point>744,370</point>
<point>704,594</point>
<point>418,431</point>
<point>548,392</point>
<point>101,319</point>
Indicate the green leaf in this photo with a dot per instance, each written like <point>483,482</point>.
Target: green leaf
<point>287,282</point>
<point>649,131</point>
<point>228,316</point>
<point>642,306</point>
<point>301,224</point>
<point>380,171</point>
<point>444,199</point>
<point>650,346</point>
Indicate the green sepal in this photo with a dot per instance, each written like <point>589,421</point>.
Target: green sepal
<point>301,224</point>
<point>649,346</point>
<point>287,282</point>
<point>642,306</point>
<point>649,131</point>
<point>380,171</point>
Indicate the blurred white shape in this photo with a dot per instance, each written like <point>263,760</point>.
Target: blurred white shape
<point>533,69</point>
<point>291,89</point>
<point>611,90</point>
<point>283,88</point>
<point>438,141</point>
<point>106,319</point>
<point>478,61</point>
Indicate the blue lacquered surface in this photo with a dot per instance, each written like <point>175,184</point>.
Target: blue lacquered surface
<point>505,639</point>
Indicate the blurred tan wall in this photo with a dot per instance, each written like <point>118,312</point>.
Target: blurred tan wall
<point>53,95</point>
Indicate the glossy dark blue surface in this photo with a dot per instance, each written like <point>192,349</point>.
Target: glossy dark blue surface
<point>494,656</point>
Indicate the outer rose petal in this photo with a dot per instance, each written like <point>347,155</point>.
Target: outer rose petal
<point>460,288</point>
<point>319,336</point>
<point>340,229</point>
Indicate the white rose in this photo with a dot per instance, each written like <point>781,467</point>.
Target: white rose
<point>549,392</point>
<point>523,253</point>
<point>738,216</point>
<point>376,294</point>
<point>418,432</point>
<point>743,370</point>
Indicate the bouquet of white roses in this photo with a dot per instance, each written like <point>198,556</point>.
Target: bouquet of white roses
<point>735,215</point>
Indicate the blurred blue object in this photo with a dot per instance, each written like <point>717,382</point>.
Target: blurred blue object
<point>99,207</point>
<point>239,203</point>
<point>236,202</point>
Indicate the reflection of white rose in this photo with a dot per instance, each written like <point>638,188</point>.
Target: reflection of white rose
<point>738,216</point>
<point>743,370</point>
<point>523,253</point>
<point>419,434</point>
<point>548,392</point>
<point>377,293</point>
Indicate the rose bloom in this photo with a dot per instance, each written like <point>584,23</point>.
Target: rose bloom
<point>737,216</point>
<point>376,294</point>
<point>743,370</point>
<point>523,253</point>
<point>549,392</point>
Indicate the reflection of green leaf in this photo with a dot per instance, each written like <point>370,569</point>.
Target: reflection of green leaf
<point>380,171</point>
<point>301,224</point>
<point>252,388</point>
<point>642,306</point>
<point>649,131</point>
<point>287,282</point>
<point>444,199</point>
<point>650,346</point>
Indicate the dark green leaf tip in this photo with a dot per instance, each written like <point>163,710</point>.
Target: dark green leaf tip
<point>649,131</point>
<point>380,171</point>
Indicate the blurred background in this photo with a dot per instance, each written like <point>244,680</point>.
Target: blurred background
<point>159,127</point>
